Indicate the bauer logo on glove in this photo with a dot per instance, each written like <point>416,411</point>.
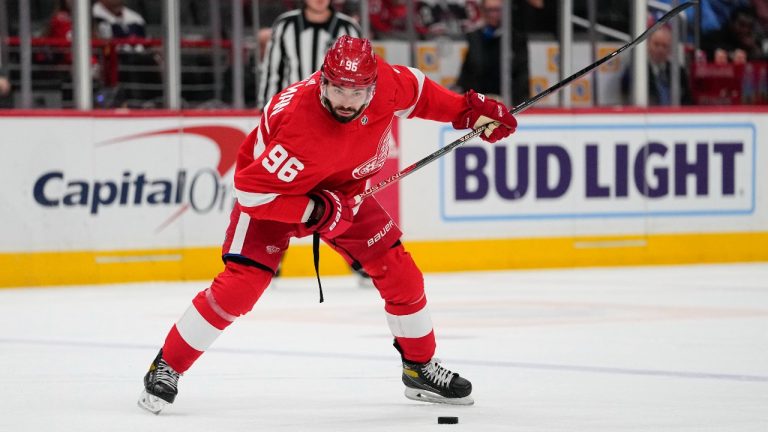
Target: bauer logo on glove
<point>484,111</point>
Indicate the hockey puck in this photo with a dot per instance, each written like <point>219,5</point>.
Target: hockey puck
<point>447,420</point>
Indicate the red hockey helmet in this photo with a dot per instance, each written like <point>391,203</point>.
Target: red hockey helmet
<point>350,62</point>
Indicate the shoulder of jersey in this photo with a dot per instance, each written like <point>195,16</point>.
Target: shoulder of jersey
<point>387,73</point>
<point>284,106</point>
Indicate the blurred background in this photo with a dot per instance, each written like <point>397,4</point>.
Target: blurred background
<point>714,54</point>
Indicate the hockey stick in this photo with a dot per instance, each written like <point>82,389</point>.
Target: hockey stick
<point>523,105</point>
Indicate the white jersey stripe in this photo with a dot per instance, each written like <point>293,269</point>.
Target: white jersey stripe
<point>415,325</point>
<point>195,330</point>
<point>258,146</point>
<point>308,211</point>
<point>238,239</point>
<point>420,78</point>
<point>253,199</point>
<point>265,115</point>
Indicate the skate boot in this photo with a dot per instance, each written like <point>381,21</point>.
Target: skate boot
<point>160,386</point>
<point>430,382</point>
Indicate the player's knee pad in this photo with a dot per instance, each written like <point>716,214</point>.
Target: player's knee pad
<point>238,287</point>
<point>398,279</point>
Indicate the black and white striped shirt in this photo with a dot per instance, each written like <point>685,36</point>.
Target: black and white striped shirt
<point>297,49</point>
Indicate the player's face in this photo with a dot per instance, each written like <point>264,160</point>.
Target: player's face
<point>346,103</point>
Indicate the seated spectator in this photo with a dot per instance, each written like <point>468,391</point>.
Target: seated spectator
<point>481,69</point>
<point>660,71</point>
<point>388,19</point>
<point>113,20</point>
<point>60,24</point>
<point>5,87</point>
<point>740,33</point>
<point>263,37</point>
<point>60,27</point>
<point>139,77</point>
<point>441,18</point>
<point>761,12</point>
<point>714,13</point>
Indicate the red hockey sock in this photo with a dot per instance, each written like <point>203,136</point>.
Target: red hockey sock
<point>401,285</point>
<point>232,294</point>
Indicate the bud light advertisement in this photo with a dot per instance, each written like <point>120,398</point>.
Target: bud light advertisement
<point>602,170</point>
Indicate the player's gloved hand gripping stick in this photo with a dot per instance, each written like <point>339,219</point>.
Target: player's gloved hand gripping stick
<point>332,214</point>
<point>519,108</point>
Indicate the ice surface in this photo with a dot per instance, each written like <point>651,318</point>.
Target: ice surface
<point>620,349</point>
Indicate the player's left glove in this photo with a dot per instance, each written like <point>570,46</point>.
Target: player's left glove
<point>483,110</point>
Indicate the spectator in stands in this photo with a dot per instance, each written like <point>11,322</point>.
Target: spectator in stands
<point>60,24</point>
<point>140,81</point>
<point>264,35</point>
<point>660,71</point>
<point>761,12</point>
<point>714,13</point>
<point>442,17</point>
<point>481,69</point>
<point>116,21</point>
<point>432,18</point>
<point>388,18</point>
<point>739,34</point>
<point>720,57</point>
<point>299,41</point>
<point>5,84</point>
<point>60,27</point>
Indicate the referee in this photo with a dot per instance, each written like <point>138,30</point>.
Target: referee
<point>299,41</point>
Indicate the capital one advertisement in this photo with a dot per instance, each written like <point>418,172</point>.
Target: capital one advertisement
<point>110,183</point>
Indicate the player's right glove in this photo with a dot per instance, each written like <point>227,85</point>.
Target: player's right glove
<point>332,214</point>
<point>483,110</point>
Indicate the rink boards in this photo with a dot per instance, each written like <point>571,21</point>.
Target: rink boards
<point>123,197</point>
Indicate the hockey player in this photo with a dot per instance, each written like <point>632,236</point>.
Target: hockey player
<point>315,146</point>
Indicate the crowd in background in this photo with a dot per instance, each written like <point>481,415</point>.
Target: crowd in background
<point>733,32</point>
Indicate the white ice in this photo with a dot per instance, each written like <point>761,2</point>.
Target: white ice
<point>622,349</point>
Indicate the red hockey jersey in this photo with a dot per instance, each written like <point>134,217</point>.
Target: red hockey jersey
<point>299,147</point>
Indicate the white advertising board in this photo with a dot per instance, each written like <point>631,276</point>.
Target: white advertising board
<point>78,183</point>
<point>589,175</point>
<point>143,197</point>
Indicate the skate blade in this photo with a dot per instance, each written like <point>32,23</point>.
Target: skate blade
<point>151,403</point>
<point>427,396</point>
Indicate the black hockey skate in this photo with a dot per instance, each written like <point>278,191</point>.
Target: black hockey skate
<point>160,386</point>
<point>430,382</point>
